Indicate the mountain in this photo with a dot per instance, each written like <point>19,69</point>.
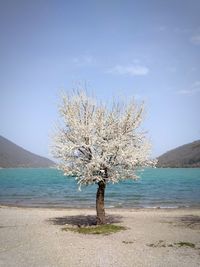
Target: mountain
<point>184,156</point>
<point>13,156</point>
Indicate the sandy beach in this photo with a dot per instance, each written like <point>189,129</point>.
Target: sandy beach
<point>34,237</point>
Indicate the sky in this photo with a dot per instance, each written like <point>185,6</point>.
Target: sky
<point>146,49</point>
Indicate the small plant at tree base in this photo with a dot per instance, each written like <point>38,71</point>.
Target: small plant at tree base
<point>100,145</point>
<point>104,229</point>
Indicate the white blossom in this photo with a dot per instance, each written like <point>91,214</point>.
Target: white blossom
<point>95,143</point>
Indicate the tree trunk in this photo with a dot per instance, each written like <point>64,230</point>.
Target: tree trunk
<point>100,203</point>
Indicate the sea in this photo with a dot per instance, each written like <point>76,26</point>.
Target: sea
<point>155,188</point>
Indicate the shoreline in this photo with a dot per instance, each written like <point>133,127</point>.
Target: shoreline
<point>94,208</point>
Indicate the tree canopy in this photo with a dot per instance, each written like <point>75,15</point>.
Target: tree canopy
<point>98,143</point>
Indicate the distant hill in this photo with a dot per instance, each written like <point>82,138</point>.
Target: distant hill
<point>184,156</point>
<point>13,156</point>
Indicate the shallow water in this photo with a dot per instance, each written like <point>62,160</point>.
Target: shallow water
<point>165,188</point>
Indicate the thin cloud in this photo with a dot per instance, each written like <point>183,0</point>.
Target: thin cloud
<point>195,88</point>
<point>172,69</point>
<point>195,39</point>
<point>132,70</point>
<point>161,28</point>
<point>84,60</point>
<point>182,30</point>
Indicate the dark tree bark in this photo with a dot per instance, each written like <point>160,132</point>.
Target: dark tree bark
<point>100,203</point>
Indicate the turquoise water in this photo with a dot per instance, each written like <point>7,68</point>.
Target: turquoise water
<point>165,188</point>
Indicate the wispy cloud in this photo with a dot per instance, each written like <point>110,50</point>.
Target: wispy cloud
<point>183,30</point>
<point>194,89</point>
<point>132,70</point>
<point>161,28</point>
<point>84,60</point>
<point>172,69</point>
<point>195,39</point>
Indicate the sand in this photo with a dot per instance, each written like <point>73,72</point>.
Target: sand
<point>34,237</point>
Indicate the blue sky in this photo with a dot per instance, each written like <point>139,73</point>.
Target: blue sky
<point>147,49</point>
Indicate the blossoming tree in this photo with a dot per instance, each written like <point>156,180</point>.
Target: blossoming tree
<point>100,145</point>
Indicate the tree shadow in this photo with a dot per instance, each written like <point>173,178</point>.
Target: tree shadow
<point>83,220</point>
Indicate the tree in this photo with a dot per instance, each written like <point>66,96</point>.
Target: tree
<point>100,145</point>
